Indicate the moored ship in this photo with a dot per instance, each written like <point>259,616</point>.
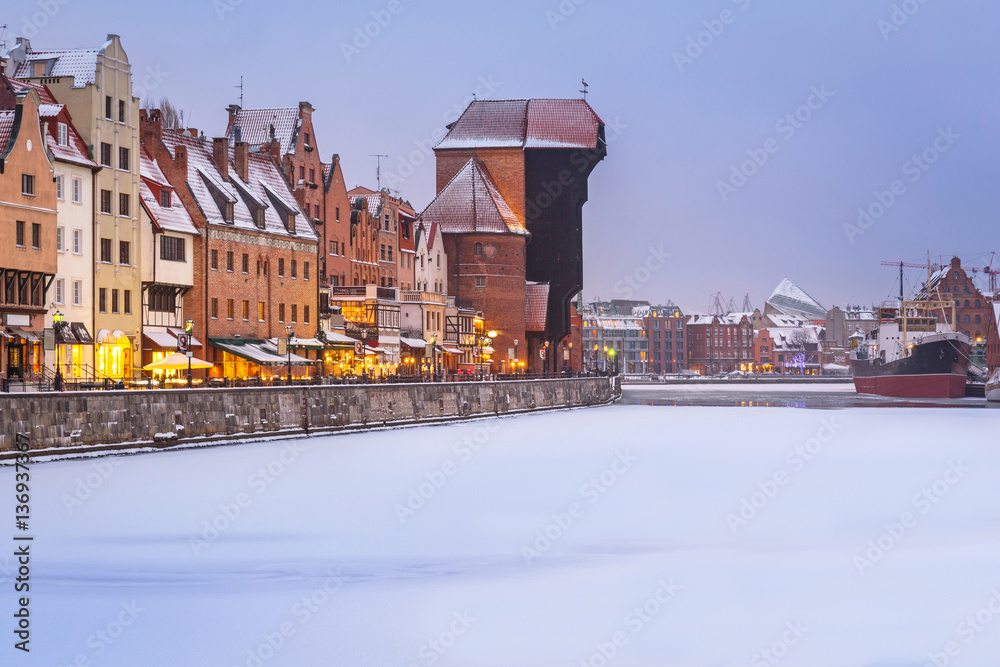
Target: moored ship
<point>913,353</point>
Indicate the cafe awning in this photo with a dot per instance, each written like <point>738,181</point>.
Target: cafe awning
<point>81,333</point>
<point>452,350</point>
<point>177,332</point>
<point>161,339</point>
<point>415,343</point>
<point>64,335</point>
<point>26,335</point>
<point>257,352</point>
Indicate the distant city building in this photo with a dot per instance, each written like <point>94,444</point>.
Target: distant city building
<point>615,337</point>
<point>720,343</point>
<point>666,331</point>
<point>842,322</point>
<point>789,351</point>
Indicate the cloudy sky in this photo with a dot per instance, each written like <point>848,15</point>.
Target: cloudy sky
<point>746,137</point>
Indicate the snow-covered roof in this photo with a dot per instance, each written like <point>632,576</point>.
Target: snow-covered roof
<point>75,150</point>
<point>471,202</point>
<point>81,64</point>
<point>264,181</point>
<point>524,124</point>
<point>255,127</point>
<point>536,306</point>
<point>786,338</point>
<point>174,218</point>
<point>789,299</point>
<point>6,127</point>
<point>372,198</point>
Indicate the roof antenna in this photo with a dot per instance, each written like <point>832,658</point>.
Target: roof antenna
<point>241,91</point>
<point>585,87</point>
<point>378,169</point>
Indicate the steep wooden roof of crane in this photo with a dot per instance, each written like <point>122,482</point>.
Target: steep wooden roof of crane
<point>471,203</point>
<point>524,124</point>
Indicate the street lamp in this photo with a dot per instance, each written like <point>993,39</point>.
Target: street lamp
<point>289,330</point>
<point>57,325</point>
<point>515,357</point>
<point>188,328</point>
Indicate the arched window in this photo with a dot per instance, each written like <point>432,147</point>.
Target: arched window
<point>479,249</point>
<point>966,289</point>
<point>946,289</point>
<point>977,303</point>
<point>966,303</point>
<point>979,319</point>
<point>956,275</point>
<point>966,320</point>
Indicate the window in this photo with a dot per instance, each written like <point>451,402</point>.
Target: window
<point>307,139</point>
<point>295,271</point>
<point>121,111</point>
<point>229,212</point>
<point>165,198</point>
<point>229,263</point>
<point>77,190</point>
<point>312,179</point>
<point>36,235</point>
<point>102,299</point>
<point>265,268</point>
<point>977,303</point>
<point>123,205</point>
<point>27,184</point>
<point>295,310</point>
<point>246,310</point>
<point>61,239</point>
<point>979,319</point>
<point>106,154</point>
<point>172,249</point>
<point>77,292</point>
<point>390,253</point>
<point>215,308</point>
<point>281,312</point>
<point>106,251</point>
<point>230,309</point>
<point>60,191</point>
<point>333,248</point>
<point>305,314</point>
<point>215,260</point>
<point>60,291</point>
<point>337,214</point>
<point>62,134</point>
<point>260,311</point>
<point>106,202</point>
<point>114,301</point>
<point>439,260</point>
<point>123,159</point>
<point>246,263</point>
<point>382,252</point>
<point>107,108</point>
<point>479,249</point>
<point>302,173</point>
<point>305,270</point>
<point>966,319</point>
<point>124,253</point>
<point>281,267</point>
<point>128,301</point>
<point>480,281</point>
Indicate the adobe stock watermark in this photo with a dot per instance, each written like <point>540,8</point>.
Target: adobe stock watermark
<point>435,480</point>
<point>923,501</point>
<point>86,486</point>
<point>48,10</point>
<point>780,648</point>
<point>591,491</point>
<point>700,42</point>
<point>223,7</point>
<point>424,151</point>
<point>631,283</point>
<point>971,627</point>
<point>914,168</point>
<point>786,127</point>
<point>900,16</point>
<point>150,81</point>
<point>301,612</point>
<point>101,640</point>
<point>366,34</point>
<point>796,459</point>
<point>259,482</point>
<point>562,12</point>
<point>635,621</point>
<point>435,648</point>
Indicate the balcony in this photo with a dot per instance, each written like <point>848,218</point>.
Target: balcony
<point>423,297</point>
<point>373,292</point>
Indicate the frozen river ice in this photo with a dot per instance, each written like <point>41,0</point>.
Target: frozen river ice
<point>625,535</point>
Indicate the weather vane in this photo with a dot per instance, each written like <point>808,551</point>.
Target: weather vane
<point>585,87</point>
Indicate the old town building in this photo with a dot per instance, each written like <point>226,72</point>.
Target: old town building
<point>666,328</point>
<point>96,87</point>
<point>28,210</point>
<point>973,310</point>
<point>255,256</point>
<point>72,292</point>
<point>507,170</point>
<point>720,343</point>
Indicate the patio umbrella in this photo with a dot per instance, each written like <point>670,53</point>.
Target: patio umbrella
<point>176,362</point>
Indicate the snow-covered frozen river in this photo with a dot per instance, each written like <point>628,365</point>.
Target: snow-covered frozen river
<point>625,535</point>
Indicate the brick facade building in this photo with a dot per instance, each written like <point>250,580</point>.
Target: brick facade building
<point>720,343</point>
<point>666,329</point>
<point>256,256</point>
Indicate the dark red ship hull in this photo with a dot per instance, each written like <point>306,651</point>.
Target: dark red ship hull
<point>936,369</point>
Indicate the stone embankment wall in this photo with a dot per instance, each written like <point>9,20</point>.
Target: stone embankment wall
<point>78,421</point>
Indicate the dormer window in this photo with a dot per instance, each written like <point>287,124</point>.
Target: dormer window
<point>229,213</point>
<point>38,68</point>
<point>258,217</point>
<point>291,223</point>
<point>63,134</point>
<point>165,198</point>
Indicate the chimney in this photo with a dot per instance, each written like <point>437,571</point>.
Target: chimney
<point>241,158</point>
<point>305,110</point>
<point>233,109</point>
<point>181,159</point>
<point>220,155</point>
<point>193,132</point>
<point>151,130</point>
